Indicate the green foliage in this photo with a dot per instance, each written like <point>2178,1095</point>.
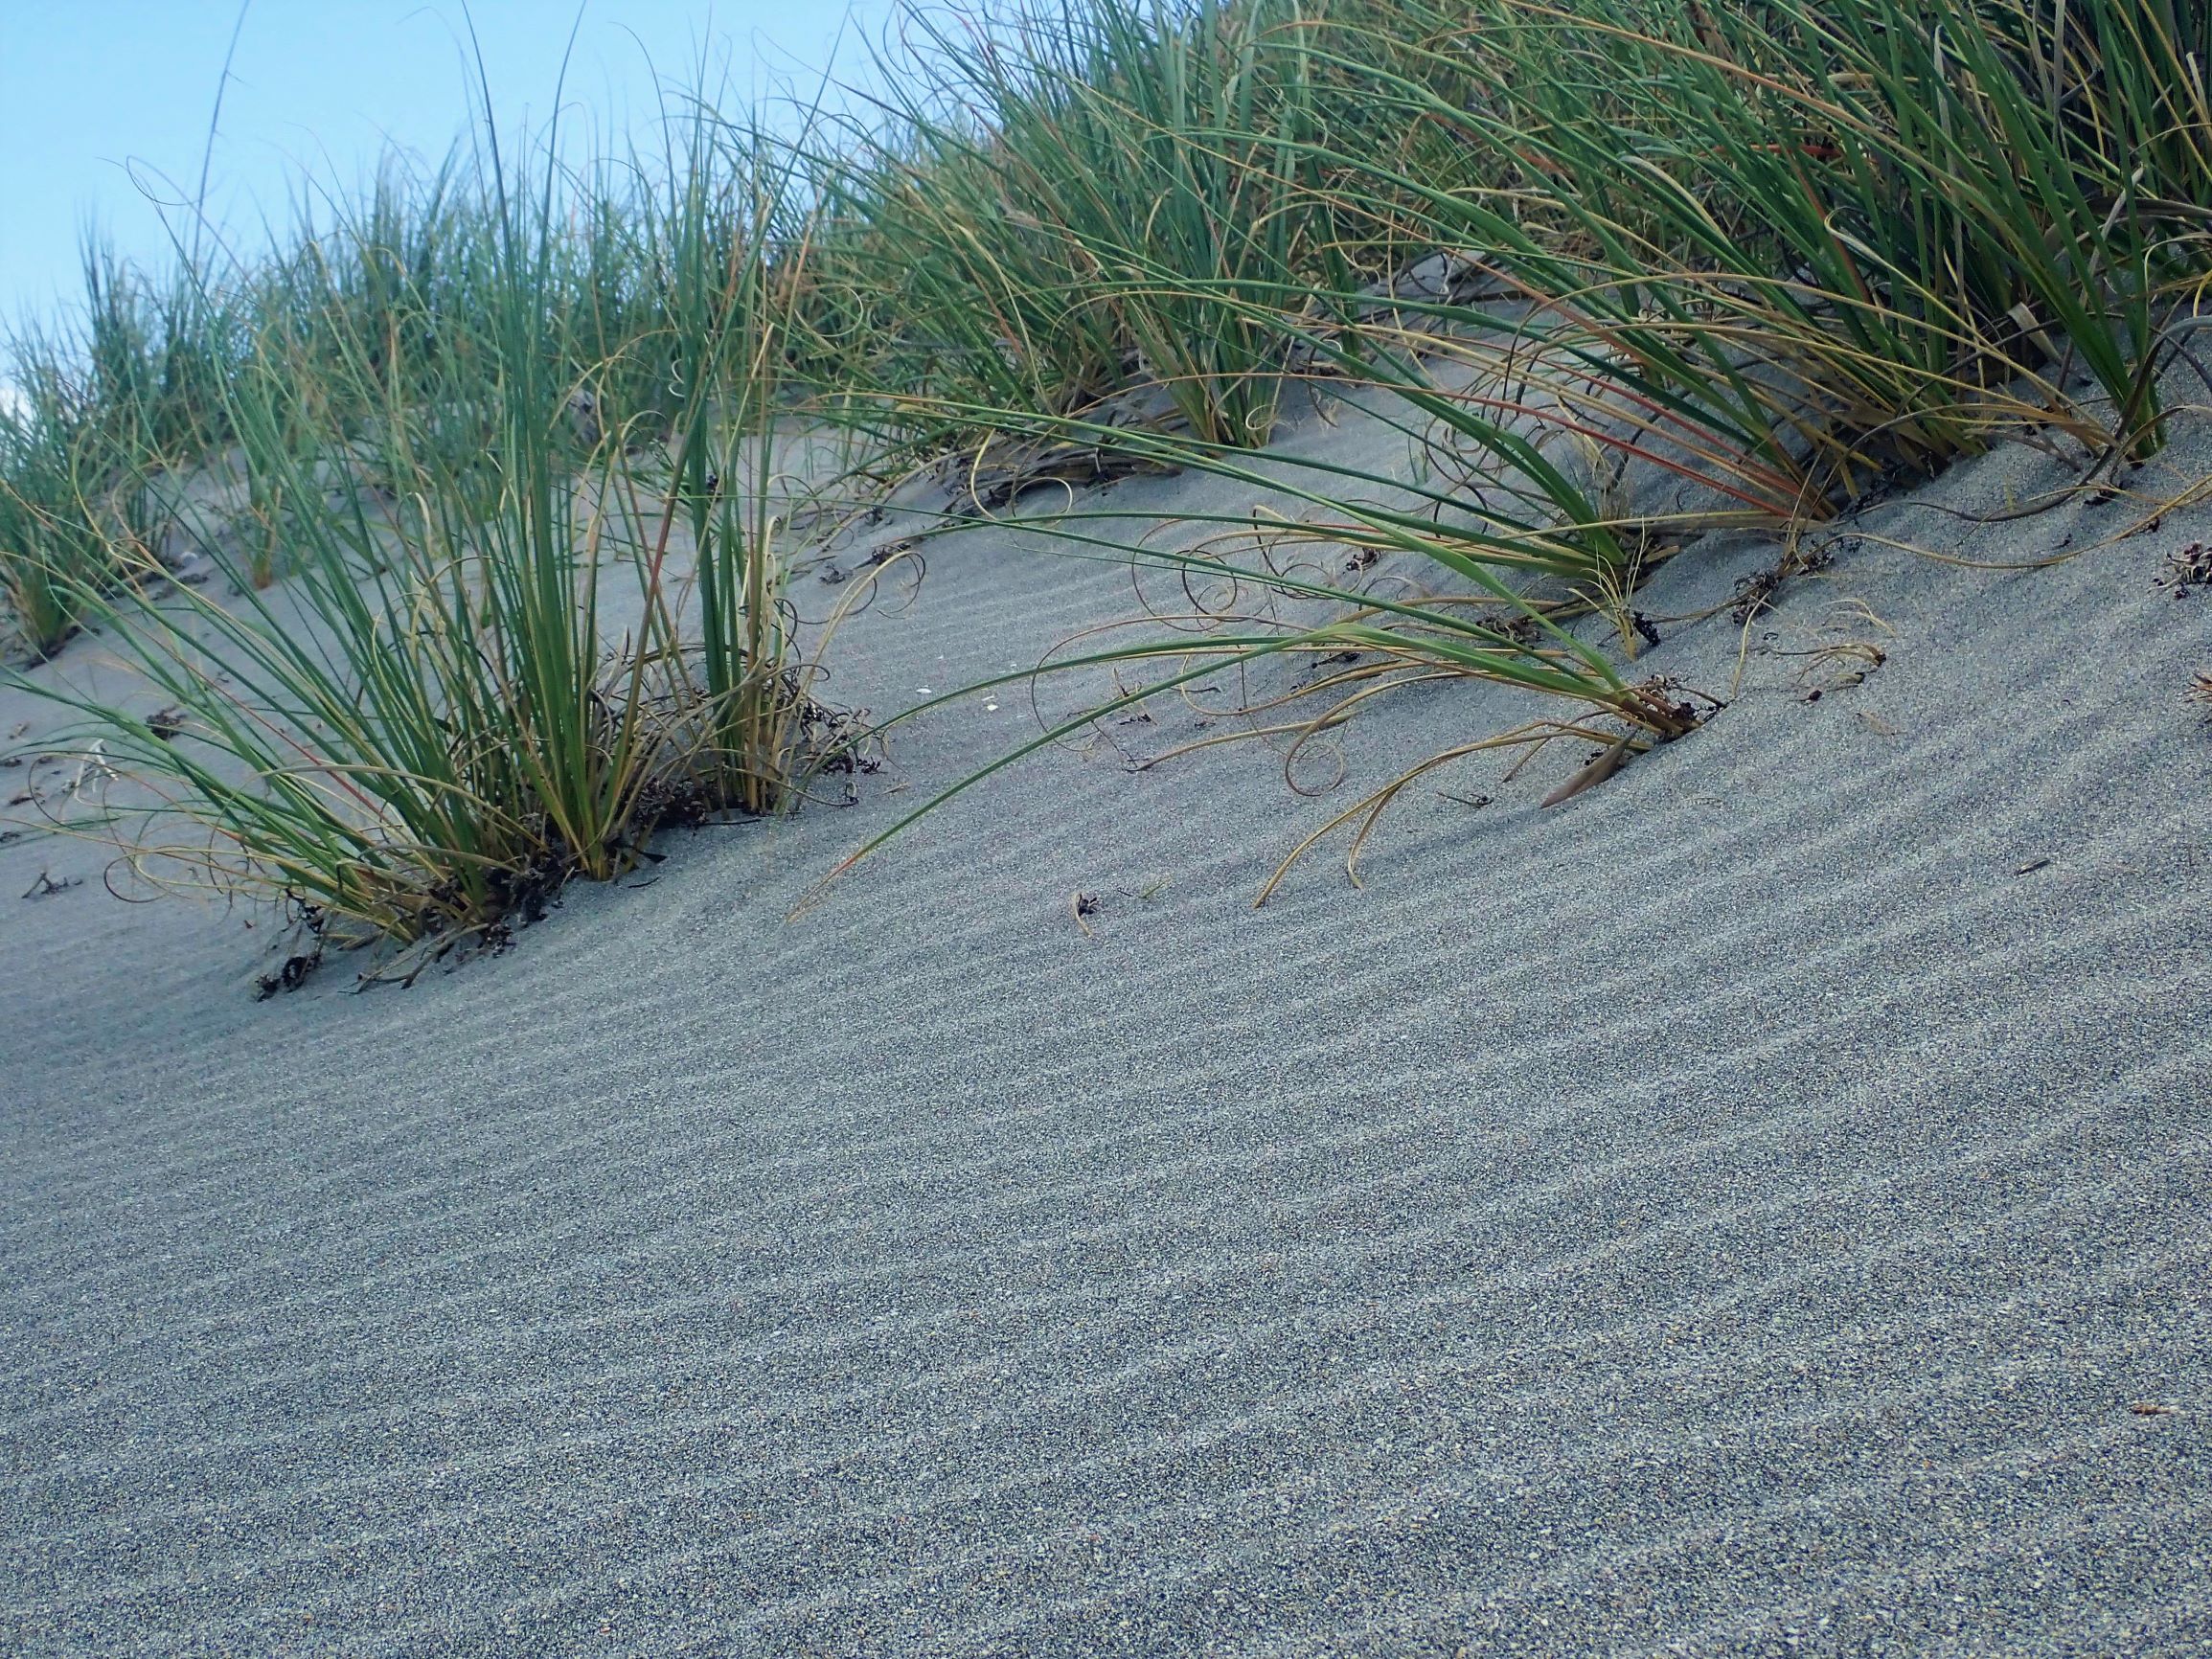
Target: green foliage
<point>509,574</point>
<point>1069,196</point>
<point>437,718</point>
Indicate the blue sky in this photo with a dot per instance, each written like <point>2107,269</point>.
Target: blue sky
<point>102,101</point>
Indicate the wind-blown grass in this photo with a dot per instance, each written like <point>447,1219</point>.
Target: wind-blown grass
<point>1776,254</point>
<point>1626,271</point>
<point>1066,198</point>
<point>72,517</point>
<point>439,718</point>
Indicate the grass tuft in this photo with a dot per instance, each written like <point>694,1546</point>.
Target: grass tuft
<point>501,470</point>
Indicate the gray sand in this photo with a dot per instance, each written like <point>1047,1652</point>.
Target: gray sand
<point>1737,1212</point>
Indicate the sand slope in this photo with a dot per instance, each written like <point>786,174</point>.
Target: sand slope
<point>1733,1212</point>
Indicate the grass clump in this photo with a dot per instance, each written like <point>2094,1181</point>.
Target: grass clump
<point>1069,201</point>
<point>73,516</point>
<point>477,679</point>
<point>510,561</point>
<point>1729,265</point>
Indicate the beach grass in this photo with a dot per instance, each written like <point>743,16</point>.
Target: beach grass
<point>486,669</point>
<point>507,586</point>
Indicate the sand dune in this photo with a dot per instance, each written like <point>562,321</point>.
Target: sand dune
<point>1740,1211</point>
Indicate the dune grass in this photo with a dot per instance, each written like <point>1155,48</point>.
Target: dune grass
<point>1116,181</point>
<point>509,569</point>
<point>1771,255</point>
<point>54,544</point>
<point>488,667</point>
